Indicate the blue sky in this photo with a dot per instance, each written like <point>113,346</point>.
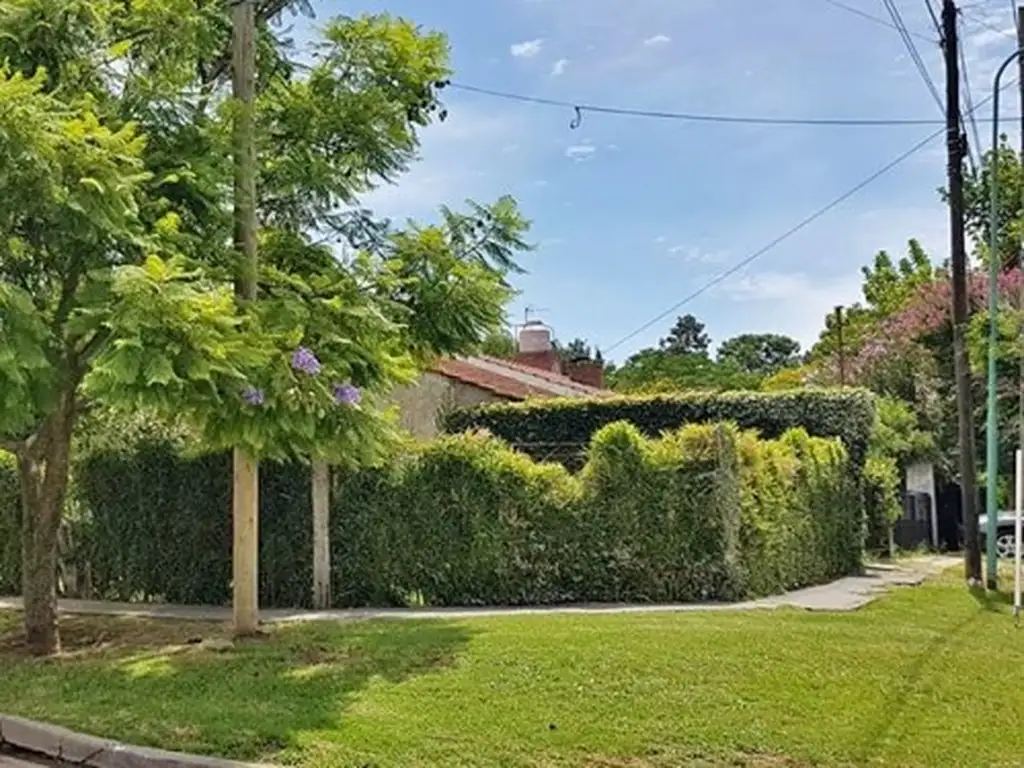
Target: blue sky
<point>632,214</point>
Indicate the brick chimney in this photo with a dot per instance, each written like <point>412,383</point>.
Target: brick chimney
<point>536,350</point>
<point>586,372</point>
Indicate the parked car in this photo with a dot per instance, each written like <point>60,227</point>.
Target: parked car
<point>1005,542</point>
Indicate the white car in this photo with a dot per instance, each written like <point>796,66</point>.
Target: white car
<point>1005,542</point>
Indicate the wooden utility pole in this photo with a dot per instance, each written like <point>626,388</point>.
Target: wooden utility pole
<point>245,486</point>
<point>321,490</point>
<point>842,346</point>
<point>955,144</point>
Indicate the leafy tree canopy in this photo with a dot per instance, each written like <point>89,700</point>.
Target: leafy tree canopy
<point>760,353</point>
<point>686,337</point>
<point>117,267</point>
<point>656,370</point>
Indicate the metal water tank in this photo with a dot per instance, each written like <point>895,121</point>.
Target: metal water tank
<point>534,337</point>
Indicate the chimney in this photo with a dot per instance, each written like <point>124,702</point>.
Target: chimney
<point>586,372</point>
<point>535,349</point>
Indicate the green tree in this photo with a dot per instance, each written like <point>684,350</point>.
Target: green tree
<point>579,350</point>
<point>656,370</point>
<point>686,337</point>
<point>887,287</point>
<point>500,343</point>
<point>1009,212</point>
<point>117,267</point>
<point>760,353</point>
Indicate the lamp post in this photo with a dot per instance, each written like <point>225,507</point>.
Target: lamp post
<point>992,416</point>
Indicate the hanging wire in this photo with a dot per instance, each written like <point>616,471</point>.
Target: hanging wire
<point>578,108</point>
<point>915,55</point>
<point>876,19</point>
<point>790,232</point>
<point>973,150</point>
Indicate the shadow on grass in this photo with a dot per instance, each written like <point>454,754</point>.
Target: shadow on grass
<point>993,602</point>
<point>178,685</point>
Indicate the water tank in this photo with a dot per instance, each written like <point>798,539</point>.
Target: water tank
<point>534,337</point>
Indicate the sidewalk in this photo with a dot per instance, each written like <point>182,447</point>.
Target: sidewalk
<point>847,594</point>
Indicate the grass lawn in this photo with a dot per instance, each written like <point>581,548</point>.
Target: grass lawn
<point>929,676</point>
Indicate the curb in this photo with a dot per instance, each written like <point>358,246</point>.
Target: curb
<point>58,743</point>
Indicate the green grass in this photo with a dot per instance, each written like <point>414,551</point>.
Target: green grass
<point>929,676</point>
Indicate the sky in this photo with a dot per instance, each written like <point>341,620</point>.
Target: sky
<point>632,215</point>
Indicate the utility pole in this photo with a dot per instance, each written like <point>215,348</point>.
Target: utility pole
<point>842,346</point>
<point>245,468</point>
<point>955,143</point>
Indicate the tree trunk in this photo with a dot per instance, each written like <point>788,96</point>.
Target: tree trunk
<point>321,491</point>
<point>43,469</point>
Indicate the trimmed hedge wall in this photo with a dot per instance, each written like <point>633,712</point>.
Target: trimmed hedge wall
<point>533,426</point>
<point>704,512</point>
<point>10,526</point>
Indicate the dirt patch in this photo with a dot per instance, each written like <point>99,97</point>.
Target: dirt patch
<point>92,636</point>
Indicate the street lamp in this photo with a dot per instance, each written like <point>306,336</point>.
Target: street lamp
<point>992,420</point>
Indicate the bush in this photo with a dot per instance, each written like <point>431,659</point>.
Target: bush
<point>535,426</point>
<point>704,512</point>
<point>800,512</point>
<point>881,501</point>
<point>661,516</point>
<point>10,526</point>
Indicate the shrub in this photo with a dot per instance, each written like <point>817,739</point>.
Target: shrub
<point>703,512</point>
<point>10,526</point>
<point>800,512</point>
<point>881,501</point>
<point>536,425</point>
<point>661,516</point>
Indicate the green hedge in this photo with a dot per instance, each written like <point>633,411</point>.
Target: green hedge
<point>10,527</point>
<point>539,426</point>
<point>881,501</point>
<point>705,512</point>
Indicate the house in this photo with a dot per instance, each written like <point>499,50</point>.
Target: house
<point>537,370</point>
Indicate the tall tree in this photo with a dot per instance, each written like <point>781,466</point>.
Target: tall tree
<point>887,287</point>
<point>656,370</point>
<point>760,353</point>
<point>1010,208</point>
<point>686,337</point>
<point>116,268</point>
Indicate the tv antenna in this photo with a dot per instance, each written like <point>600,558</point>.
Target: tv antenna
<point>529,310</point>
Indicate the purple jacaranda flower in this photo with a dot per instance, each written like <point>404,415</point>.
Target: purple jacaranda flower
<point>253,396</point>
<point>346,394</point>
<point>304,360</point>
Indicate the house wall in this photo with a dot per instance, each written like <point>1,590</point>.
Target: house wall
<point>921,479</point>
<point>422,404</point>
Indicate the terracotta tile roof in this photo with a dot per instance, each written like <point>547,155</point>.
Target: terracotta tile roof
<point>512,380</point>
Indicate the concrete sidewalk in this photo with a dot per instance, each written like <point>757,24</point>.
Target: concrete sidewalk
<point>847,594</point>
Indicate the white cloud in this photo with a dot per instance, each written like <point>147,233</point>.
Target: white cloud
<point>580,152</point>
<point>657,40</point>
<point>796,302</point>
<point>527,49</point>
<point>660,239</point>
<point>695,255</point>
<point>558,68</point>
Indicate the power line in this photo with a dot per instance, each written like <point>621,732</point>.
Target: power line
<point>915,55</point>
<point>935,18</point>
<point>579,108</point>
<point>876,19</point>
<point>982,21</point>
<point>790,232</point>
<point>974,149</point>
